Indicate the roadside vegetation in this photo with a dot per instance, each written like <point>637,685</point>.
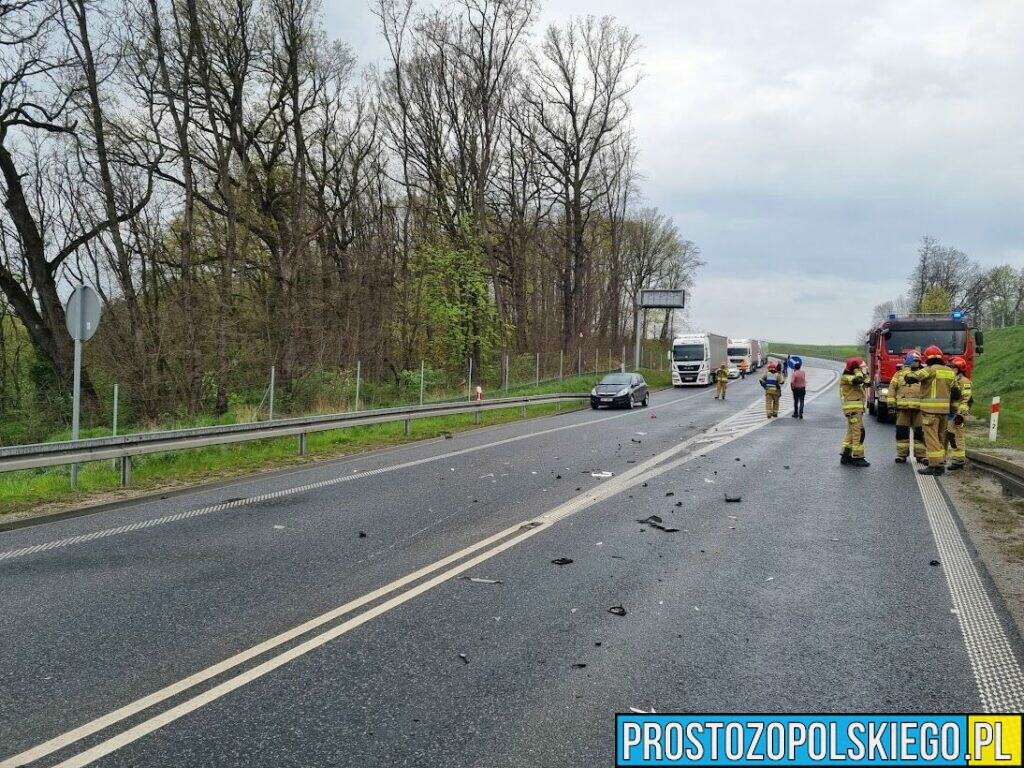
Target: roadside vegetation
<point>998,372</point>
<point>824,351</point>
<point>49,489</point>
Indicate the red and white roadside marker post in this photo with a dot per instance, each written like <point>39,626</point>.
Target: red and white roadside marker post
<point>993,421</point>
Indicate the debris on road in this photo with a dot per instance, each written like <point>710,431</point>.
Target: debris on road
<point>489,474</point>
<point>602,474</point>
<point>638,442</point>
<point>477,580</point>
<point>579,666</point>
<point>641,434</point>
<point>562,561</point>
<point>709,480</point>
<point>656,522</point>
<point>770,578</point>
<point>679,503</point>
<point>670,493</point>
<point>934,562</point>
<point>558,477</point>
<point>278,527</point>
<point>618,610</point>
<point>362,534</point>
<point>785,466</point>
<point>465,659</point>
<point>733,499</point>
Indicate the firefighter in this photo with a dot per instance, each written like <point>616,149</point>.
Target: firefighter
<point>721,381</point>
<point>904,401</point>
<point>937,382</point>
<point>961,409</point>
<point>852,385</point>
<point>771,383</point>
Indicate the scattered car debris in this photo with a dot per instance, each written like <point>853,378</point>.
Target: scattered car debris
<point>278,527</point>
<point>656,522</point>
<point>785,466</point>
<point>770,578</point>
<point>679,503</point>
<point>638,442</point>
<point>597,644</point>
<point>641,434</point>
<point>670,493</point>
<point>733,499</point>
<point>562,561</point>
<point>579,666</point>
<point>465,659</point>
<point>934,562</point>
<point>558,477</point>
<point>618,610</point>
<point>602,474</point>
<point>477,580</point>
<point>489,474</point>
<point>362,534</point>
<point>709,481</point>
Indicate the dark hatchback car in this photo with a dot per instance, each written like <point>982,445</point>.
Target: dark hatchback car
<point>620,390</point>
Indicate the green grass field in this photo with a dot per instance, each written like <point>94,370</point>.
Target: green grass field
<point>824,351</point>
<point>1000,371</point>
<point>27,490</point>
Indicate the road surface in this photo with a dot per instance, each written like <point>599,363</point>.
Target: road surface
<point>344,614</point>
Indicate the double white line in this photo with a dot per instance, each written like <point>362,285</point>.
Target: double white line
<point>400,591</point>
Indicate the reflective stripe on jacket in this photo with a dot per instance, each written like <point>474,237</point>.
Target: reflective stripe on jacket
<point>851,392</point>
<point>936,388</point>
<point>904,395</point>
<point>771,381</point>
<point>963,407</point>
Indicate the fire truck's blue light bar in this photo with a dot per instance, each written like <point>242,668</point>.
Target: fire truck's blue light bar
<point>958,315</point>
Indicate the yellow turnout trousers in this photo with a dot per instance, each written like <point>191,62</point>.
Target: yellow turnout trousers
<point>720,387</point>
<point>907,420</point>
<point>771,402</point>
<point>934,426</point>
<point>854,434</point>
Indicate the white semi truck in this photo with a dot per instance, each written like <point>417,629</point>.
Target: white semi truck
<point>741,351</point>
<point>696,356</point>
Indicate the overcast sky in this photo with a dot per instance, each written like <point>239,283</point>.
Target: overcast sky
<point>807,146</point>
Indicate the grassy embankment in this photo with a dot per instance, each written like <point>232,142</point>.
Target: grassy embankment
<point>50,488</point>
<point>997,371</point>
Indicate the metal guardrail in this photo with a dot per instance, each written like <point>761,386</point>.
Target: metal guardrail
<point>123,447</point>
<point>1010,475</point>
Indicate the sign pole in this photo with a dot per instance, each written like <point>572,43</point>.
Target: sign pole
<point>76,404</point>
<point>993,423</point>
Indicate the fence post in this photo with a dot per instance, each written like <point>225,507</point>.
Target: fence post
<point>358,376</point>
<point>126,471</point>
<point>270,413</point>
<point>422,372</point>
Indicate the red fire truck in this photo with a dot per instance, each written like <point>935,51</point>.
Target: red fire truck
<point>889,342</point>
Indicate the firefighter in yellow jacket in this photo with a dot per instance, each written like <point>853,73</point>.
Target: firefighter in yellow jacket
<point>961,409</point>
<point>853,398</point>
<point>937,383</point>
<point>904,401</point>
<point>721,381</point>
<point>771,383</point>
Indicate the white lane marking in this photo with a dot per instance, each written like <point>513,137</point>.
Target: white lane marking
<point>637,474</point>
<point>996,669</point>
<point>234,504</point>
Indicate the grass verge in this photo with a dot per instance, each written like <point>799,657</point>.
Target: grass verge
<point>48,490</point>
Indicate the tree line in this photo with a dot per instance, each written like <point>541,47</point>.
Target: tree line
<point>945,278</point>
<point>242,193</point>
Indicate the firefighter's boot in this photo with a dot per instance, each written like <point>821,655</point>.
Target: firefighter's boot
<point>860,462</point>
<point>846,457</point>
<point>935,470</point>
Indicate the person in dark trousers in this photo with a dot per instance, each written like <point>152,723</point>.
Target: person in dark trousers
<point>798,383</point>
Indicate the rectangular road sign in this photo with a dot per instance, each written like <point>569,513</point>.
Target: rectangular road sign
<point>662,298</point>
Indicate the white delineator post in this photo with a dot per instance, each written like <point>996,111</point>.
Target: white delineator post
<point>993,422</point>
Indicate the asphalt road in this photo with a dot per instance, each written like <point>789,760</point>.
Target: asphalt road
<point>330,617</point>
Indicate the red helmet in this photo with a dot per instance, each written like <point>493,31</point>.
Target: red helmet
<point>931,352</point>
<point>959,362</point>
<point>854,362</point>
<point>773,366</point>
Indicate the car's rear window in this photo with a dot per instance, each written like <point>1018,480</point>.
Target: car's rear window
<point>617,378</point>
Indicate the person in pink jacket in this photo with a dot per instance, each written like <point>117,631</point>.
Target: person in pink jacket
<point>798,383</point>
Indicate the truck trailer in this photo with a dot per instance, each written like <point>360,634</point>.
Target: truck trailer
<point>695,356</point>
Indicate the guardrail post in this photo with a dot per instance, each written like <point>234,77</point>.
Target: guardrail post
<point>126,471</point>
<point>476,416</point>
<point>524,411</point>
<point>408,427</point>
<point>302,444</point>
